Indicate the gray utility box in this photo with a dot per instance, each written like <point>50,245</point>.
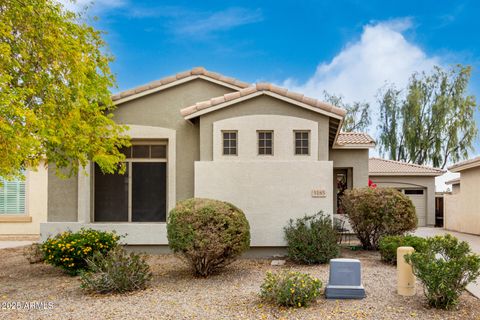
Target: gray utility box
<point>345,281</point>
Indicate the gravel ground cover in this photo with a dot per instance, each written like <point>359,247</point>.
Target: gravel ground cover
<point>175,294</point>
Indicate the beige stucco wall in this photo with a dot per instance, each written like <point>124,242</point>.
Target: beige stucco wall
<point>283,137</point>
<point>357,159</point>
<point>262,105</point>
<point>36,184</point>
<point>161,109</point>
<point>427,183</point>
<point>462,210</point>
<point>269,192</point>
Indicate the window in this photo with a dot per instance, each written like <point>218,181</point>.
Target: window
<point>413,191</point>
<point>302,144</point>
<point>140,194</point>
<point>229,143</point>
<point>265,142</point>
<point>12,196</point>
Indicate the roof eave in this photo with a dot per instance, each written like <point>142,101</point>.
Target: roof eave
<point>408,174</point>
<point>258,93</point>
<point>458,168</point>
<point>354,145</point>
<point>172,84</point>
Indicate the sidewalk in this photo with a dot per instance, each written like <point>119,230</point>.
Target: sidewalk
<point>4,244</point>
<point>473,241</point>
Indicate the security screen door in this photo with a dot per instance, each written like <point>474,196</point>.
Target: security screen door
<point>140,195</point>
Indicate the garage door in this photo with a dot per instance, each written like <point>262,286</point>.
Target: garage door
<point>418,197</point>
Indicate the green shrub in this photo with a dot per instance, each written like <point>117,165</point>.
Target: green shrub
<point>377,212</point>
<point>445,267</point>
<point>388,246</point>
<point>209,234</point>
<point>68,250</point>
<point>312,239</point>
<point>290,289</point>
<point>117,271</point>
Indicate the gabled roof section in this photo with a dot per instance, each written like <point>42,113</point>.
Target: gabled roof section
<point>354,140</point>
<point>256,90</point>
<point>467,164</point>
<point>384,167</point>
<point>179,78</point>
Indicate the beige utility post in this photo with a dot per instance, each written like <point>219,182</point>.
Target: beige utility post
<point>405,277</point>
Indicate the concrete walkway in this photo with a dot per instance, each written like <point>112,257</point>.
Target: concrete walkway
<point>4,244</point>
<point>473,241</point>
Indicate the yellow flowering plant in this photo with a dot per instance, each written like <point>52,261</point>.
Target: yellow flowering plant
<point>69,250</point>
<point>290,288</point>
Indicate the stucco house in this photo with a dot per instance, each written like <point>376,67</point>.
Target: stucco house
<point>274,153</point>
<point>415,181</point>
<point>462,205</point>
<point>23,205</point>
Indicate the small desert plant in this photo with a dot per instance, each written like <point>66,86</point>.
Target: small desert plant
<point>377,212</point>
<point>117,271</point>
<point>290,289</point>
<point>33,253</point>
<point>388,246</point>
<point>312,239</point>
<point>208,234</point>
<point>445,267</point>
<point>68,250</point>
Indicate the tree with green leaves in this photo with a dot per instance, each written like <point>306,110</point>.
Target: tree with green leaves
<point>358,113</point>
<point>55,103</point>
<point>431,121</point>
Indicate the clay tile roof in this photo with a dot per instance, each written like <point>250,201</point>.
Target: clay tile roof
<point>361,138</point>
<point>467,164</point>
<point>384,167</point>
<point>265,87</point>
<point>198,71</point>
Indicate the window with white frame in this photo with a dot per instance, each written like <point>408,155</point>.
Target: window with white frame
<point>265,142</point>
<point>139,195</point>
<point>230,143</point>
<point>302,142</point>
<point>12,196</point>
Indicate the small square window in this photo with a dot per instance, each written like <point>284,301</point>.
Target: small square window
<point>141,151</point>
<point>229,143</point>
<point>265,142</point>
<point>302,142</point>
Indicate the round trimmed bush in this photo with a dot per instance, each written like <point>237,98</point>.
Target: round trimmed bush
<point>208,234</point>
<point>312,239</point>
<point>388,246</point>
<point>377,212</point>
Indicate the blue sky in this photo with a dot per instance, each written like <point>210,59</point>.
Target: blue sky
<point>345,47</point>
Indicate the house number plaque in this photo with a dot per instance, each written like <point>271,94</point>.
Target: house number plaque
<point>319,193</point>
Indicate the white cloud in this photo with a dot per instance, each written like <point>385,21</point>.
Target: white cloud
<point>206,24</point>
<point>382,54</point>
<point>94,6</point>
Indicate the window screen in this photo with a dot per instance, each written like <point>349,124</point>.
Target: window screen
<point>265,142</point>
<point>229,142</point>
<point>302,142</point>
<point>111,196</point>
<point>149,191</point>
<point>12,197</point>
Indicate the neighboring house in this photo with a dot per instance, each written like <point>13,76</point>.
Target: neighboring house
<point>273,153</point>
<point>462,206</point>
<point>23,205</point>
<point>417,182</point>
